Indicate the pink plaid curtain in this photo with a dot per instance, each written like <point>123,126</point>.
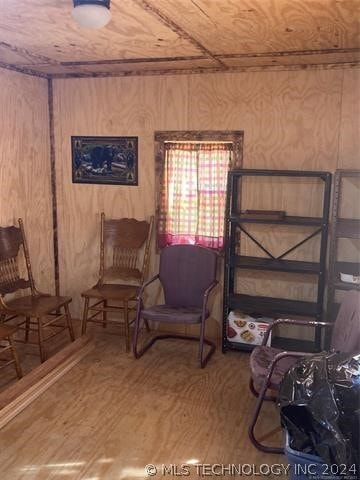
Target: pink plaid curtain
<point>194,194</point>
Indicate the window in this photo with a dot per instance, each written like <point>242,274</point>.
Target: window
<point>192,187</point>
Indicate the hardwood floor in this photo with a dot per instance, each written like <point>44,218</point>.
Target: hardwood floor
<point>111,415</point>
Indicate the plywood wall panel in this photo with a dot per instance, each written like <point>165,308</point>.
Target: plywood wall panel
<point>134,107</point>
<point>291,120</point>
<point>278,240</point>
<point>276,284</point>
<point>349,134</point>
<point>25,167</point>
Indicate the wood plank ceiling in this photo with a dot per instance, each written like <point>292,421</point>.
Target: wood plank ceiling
<point>179,36</point>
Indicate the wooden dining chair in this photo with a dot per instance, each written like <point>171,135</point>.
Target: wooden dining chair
<point>37,312</point>
<point>124,260</point>
<point>7,343</point>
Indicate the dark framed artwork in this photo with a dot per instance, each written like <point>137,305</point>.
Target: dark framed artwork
<point>105,160</point>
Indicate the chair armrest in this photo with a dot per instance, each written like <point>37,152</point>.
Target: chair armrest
<point>290,321</point>
<point>144,285</point>
<point>208,290</point>
<point>285,354</point>
<point>207,293</point>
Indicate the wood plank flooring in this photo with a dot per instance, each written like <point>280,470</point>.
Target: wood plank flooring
<point>111,415</point>
<point>29,353</point>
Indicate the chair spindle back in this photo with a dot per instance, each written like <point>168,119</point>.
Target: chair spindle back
<point>125,238</point>
<point>12,240</point>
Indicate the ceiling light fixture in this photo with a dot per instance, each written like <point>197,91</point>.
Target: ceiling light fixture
<point>92,13</point>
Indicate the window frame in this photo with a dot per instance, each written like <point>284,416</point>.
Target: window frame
<point>236,137</point>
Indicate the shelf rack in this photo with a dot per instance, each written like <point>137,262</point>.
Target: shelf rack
<point>341,228</point>
<point>269,306</point>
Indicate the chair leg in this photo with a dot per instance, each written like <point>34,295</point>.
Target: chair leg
<point>251,430</point>
<point>104,315</point>
<point>202,340</point>
<point>41,340</point>
<point>69,322</point>
<point>146,323</point>
<point>127,327</point>
<point>136,330</point>
<point>27,329</point>
<point>85,315</point>
<point>204,361</point>
<point>15,357</point>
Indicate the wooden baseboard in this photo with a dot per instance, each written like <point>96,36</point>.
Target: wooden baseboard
<point>19,395</point>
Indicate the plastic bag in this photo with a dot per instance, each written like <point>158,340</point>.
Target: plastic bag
<point>319,402</point>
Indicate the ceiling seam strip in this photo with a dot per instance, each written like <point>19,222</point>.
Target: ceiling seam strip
<point>25,71</point>
<point>220,56</point>
<point>202,70</point>
<point>203,57</point>
<point>24,51</point>
<point>121,61</point>
<point>188,71</point>
<point>165,20</point>
<point>31,71</point>
<point>286,53</point>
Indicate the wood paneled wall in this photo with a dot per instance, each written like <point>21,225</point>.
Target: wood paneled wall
<point>25,189</point>
<point>291,120</point>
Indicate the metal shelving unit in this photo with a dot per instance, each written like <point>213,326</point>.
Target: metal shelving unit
<point>269,306</point>
<point>341,228</point>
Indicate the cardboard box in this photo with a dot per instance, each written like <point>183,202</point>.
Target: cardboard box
<point>243,328</point>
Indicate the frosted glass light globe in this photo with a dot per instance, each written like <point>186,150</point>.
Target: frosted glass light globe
<point>91,16</point>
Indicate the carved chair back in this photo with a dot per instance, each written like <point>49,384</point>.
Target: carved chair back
<point>124,248</point>
<point>12,243</point>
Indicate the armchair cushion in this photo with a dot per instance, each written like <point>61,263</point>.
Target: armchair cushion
<point>260,359</point>
<point>169,314</point>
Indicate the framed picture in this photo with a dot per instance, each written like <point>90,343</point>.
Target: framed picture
<point>105,160</point>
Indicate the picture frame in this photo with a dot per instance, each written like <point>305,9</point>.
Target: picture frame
<point>105,160</point>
